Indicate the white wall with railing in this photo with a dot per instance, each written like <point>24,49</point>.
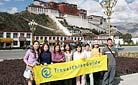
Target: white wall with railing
<point>80,22</point>
<point>61,27</point>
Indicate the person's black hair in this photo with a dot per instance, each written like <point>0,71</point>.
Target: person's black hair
<point>87,45</point>
<point>109,39</point>
<point>79,45</point>
<point>69,47</point>
<point>36,41</point>
<point>43,52</point>
<point>55,48</point>
<point>33,51</point>
<point>43,45</point>
<point>42,49</point>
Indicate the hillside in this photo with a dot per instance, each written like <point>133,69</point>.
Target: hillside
<point>131,28</point>
<point>19,22</point>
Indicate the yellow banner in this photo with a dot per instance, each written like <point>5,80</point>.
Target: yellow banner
<point>61,71</point>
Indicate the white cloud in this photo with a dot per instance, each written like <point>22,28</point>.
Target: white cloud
<point>91,6</point>
<point>78,2</point>
<point>123,11</point>
<point>13,10</point>
<point>134,5</point>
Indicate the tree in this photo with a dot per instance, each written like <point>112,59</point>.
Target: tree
<point>136,43</point>
<point>127,38</point>
<point>95,32</point>
<point>101,32</point>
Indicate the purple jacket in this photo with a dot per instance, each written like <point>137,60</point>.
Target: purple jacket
<point>30,57</point>
<point>58,57</point>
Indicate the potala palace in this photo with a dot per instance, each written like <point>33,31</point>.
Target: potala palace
<point>61,12</point>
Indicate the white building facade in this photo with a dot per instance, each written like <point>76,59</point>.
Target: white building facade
<point>53,39</point>
<point>15,38</point>
<point>135,40</point>
<point>42,10</point>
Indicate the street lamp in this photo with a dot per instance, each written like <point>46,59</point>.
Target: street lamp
<point>32,25</point>
<point>108,5</point>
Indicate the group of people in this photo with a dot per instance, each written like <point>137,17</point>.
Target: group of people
<point>44,57</point>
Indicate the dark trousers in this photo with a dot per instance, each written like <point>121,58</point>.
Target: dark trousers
<point>108,78</point>
<point>59,82</point>
<point>71,81</point>
<point>68,81</point>
<point>98,76</point>
<point>48,83</point>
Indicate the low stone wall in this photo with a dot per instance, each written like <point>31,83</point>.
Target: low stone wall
<point>128,54</point>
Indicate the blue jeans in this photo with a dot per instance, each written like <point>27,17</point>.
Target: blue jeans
<point>109,75</point>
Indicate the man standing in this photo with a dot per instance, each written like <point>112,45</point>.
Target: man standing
<point>111,53</point>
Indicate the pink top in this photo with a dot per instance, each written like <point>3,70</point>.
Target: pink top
<point>58,57</point>
<point>30,57</point>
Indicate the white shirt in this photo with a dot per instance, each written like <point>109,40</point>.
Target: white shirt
<point>87,54</point>
<point>68,56</point>
<point>77,56</point>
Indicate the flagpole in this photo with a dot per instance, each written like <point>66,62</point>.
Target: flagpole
<point>108,5</point>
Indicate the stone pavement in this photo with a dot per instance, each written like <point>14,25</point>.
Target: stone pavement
<point>131,79</point>
<point>12,54</point>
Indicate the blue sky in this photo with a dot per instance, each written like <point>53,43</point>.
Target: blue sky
<point>6,5</point>
<point>125,10</point>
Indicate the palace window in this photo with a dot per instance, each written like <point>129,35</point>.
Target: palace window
<point>1,35</point>
<point>15,35</point>
<point>28,35</point>
<point>22,35</point>
<point>37,38</point>
<point>45,38</point>
<point>28,42</point>
<point>8,35</point>
<point>15,43</point>
<point>41,38</point>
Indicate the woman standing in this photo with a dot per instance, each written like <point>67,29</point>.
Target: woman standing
<point>96,53</point>
<point>80,80</point>
<point>58,57</point>
<point>96,50</point>
<point>67,52</point>
<point>45,57</point>
<point>30,59</point>
<point>68,57</point>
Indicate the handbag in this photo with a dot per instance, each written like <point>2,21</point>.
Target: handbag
<point>27,73</point>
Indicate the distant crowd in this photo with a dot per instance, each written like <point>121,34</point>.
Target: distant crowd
<point>41,55</point>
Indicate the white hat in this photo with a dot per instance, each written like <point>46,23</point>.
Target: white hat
<point>95,42</point>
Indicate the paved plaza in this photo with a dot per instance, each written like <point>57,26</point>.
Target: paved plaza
<point>19,53</point>
<point>131,79</point>
<point>12,54</point>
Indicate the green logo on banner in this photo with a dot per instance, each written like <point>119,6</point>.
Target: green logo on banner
<point>46,72</point>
